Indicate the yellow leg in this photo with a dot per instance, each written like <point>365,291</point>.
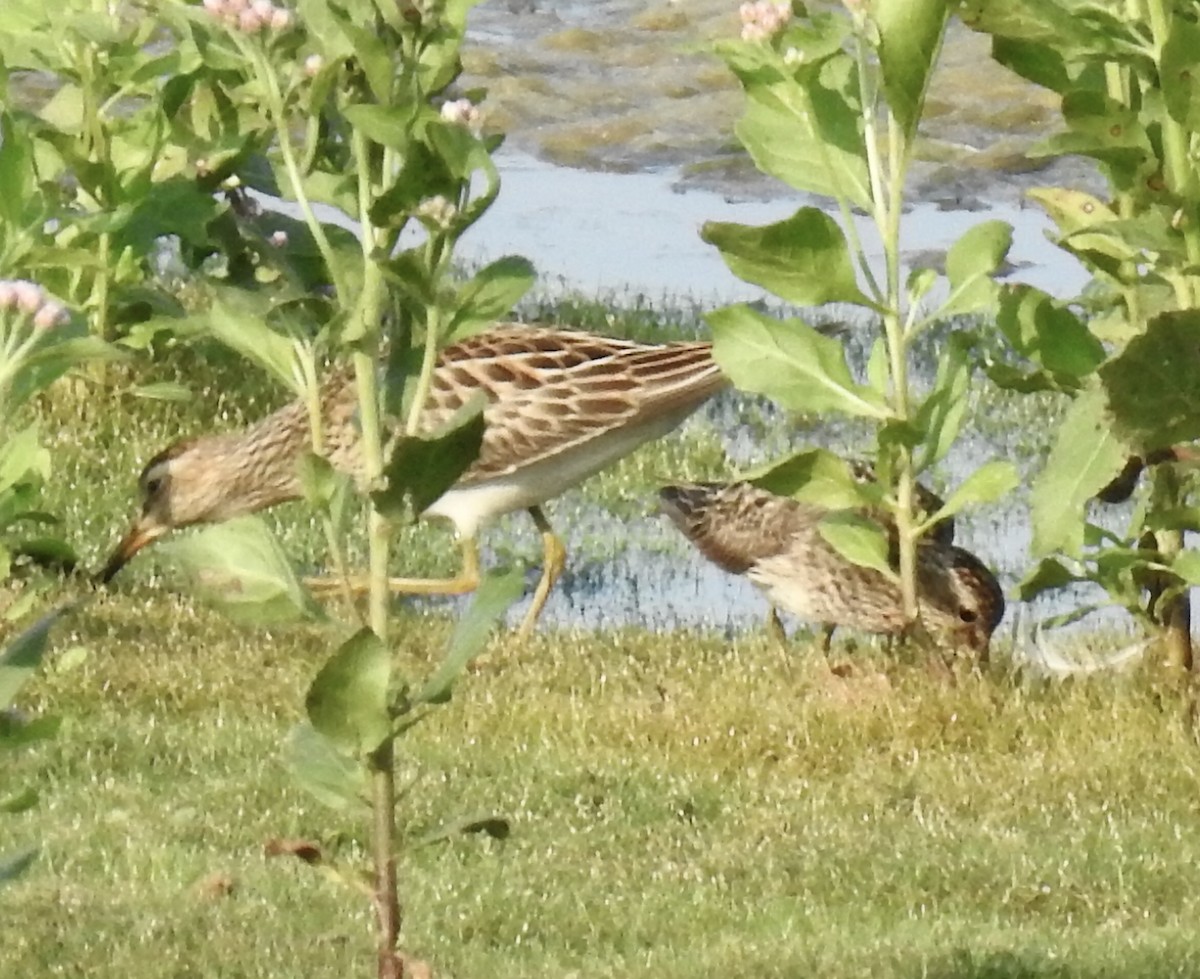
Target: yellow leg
<point>467,579</point>
<point>555,558</point>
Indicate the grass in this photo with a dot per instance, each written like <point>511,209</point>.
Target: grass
<point>679,804</point>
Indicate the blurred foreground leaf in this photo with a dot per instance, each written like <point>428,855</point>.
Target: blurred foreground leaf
<point>332,777</point>
<point>348,701</point>
<point>859,540</point>
<point>240,567</point>
<point>1153,385</point>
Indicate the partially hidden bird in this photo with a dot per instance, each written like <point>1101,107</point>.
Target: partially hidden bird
<point>561,405</point>
<point>775,541</point>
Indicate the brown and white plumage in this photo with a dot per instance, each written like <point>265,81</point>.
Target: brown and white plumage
<point>775,542</point>
<point>561,405</point>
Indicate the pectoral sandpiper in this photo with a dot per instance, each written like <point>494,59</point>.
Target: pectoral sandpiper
<point>775,541</point>
<point>562,405</point>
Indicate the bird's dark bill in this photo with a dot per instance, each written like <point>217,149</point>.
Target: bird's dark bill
<point>137,538</point>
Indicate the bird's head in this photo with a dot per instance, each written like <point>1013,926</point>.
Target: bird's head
<point>184,484</point>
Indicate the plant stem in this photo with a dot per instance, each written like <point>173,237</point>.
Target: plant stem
<point>1177,168</point>
<point>905,479</point>
<point>284,140</point>
<point>382,762</point>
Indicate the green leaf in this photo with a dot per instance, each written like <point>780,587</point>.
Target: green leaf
<point>1085,456</point>
<point>22,657</point>
<point>1041,64</point>
<point>22,455</point>
<point>803,259</point>
<point>970,264</point>
<point>790,362</point>
<point>495,594</point>
<point>990,482</point>
<point>859,540</point>
<point>334,778</point>
<point>1050,574</point>
<point>910,36</point>
<point>14,865</point>
<point>250,336</point>
<point>386,125</point>
<point>17,176</point>
<point>1187,565</point>
<point>348,701</point>
<point>1071,209</point>
<point>319,481</point>
<point>162,391</point>
<point>940,416</point>
<point>240,567</point>
<point>809,139</point>
<point>422,469</point>
<point>1153,385</point>
<point>816,476</point>
<point>491,294</point>
<point>20,801</point>
<point>1178,73</point>
<point>1046,332</point>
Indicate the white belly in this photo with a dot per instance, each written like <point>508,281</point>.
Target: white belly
<point>469,507</point>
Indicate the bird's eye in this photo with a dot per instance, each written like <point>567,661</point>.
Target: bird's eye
<point>153,485</point>
<point>968,614</point>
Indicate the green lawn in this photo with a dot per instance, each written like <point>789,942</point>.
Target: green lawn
<point>679,806</point>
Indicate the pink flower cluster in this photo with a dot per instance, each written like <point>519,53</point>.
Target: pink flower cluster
<point>30,299</point>
<point>250,16</point>
<point>463,112</point>
<point>763,19</point>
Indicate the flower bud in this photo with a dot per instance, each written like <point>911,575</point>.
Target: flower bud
<point>8,295</point>
<point>263,9</point>
<point>281,19</point>
<point>29,296</point>
<point>279,239</point>
<point>51,314</point>
<point>249,22</point>
<point>313,65</point>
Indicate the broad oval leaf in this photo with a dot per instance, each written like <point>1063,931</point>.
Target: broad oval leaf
<point>423,468</point>
<point>491,295</point>
<point>970,264</point>
<point>859,540</point>
<point>808,138</point>
<point>790,362</point>
<point>348,701</point>
<point>240,567</point>
<point>1153,385</point>
<point>816,476</point>
<point>1046,332</point>
<point>803,259</point>
<point>1085,456</point>
<point>333,777</point>
<point>1178,75</point>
